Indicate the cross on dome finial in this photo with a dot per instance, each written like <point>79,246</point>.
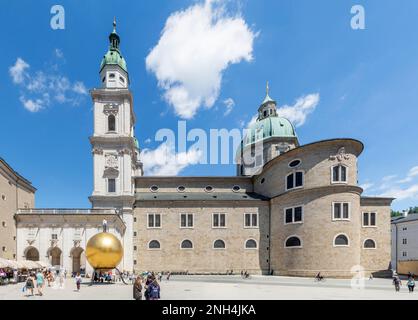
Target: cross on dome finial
<point>267,88</point>
<point>114,24</point>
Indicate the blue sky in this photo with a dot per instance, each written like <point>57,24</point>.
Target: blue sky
<point>361,84</point>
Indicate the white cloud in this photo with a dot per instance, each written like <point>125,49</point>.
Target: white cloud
<point>367,186</point>
<point>196,46</point>
<point>410,192</point>
<point>298,112</point>
<point>38,88</point>
<point>229,106</point>
<point>59,53</point>
<point>406,188</point>
<point>79,88</point>
<point>17,71</point>
<point>410,176</point>
<point>164,161</point>
<point>31,105</point>
<point>148,141</point>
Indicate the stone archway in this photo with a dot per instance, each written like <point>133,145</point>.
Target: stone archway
<point>77,255</point>
<point>31,253</point>
<point>55,256</point>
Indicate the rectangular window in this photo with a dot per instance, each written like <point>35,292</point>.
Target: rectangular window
<point>251,220</point>
<point>293,215</point>
<point>339,173</point>
<point>299,179</point>
<point>290,181</point>
<point>373,218</point>
<point>111,185</point>
<point>54,236</point>
<point>365,218</point>
<point>341,211</point>
<point>335,174</point>
<point>369,219</point>
<point>298,214</point>
<point>343,174</point>
<point>345,211</point>
<point>154,220</point>
<point>186,220</point>
<point>219,220</point>
<point>404,241</point>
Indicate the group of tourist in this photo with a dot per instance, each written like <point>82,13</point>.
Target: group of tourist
<point>35,280</point>
<point>410,282</point>
<point>148,283</point>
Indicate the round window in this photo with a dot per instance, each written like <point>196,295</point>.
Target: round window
<point>181,188</point>
<point>154,188</point>
<point>208,188</point>
<point>295,163</point>
<point>236,188</point>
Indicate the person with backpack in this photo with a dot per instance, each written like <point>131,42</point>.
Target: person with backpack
<point>78,281</point>
<point>397,282</point>
<point>30,283</point>
<point>411,284</point>
<point>154,290</point>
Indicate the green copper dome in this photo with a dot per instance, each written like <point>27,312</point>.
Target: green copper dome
<point>113,56</point>
<point>269,127</point>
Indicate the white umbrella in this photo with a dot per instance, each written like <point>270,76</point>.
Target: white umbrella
<point>28,264</point>
<point>4,263</point>
<point>43,264</point>
<point>13,264</point>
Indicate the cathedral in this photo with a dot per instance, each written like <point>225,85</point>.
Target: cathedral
<point>296,210</point>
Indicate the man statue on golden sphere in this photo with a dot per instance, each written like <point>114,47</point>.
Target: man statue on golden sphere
<point>104,250</point>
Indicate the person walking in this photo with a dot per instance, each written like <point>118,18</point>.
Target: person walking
<point>411,284</point>
<point>397,282</point>
<point>168,275</point>
<point>137,288</point>
<point>30,283</point>
<point>78,281</point>
<point>40,282</point>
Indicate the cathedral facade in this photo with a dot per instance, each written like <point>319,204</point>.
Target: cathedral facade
<point>295,210</point>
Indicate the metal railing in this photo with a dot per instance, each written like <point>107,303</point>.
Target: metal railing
<point>67,211</point>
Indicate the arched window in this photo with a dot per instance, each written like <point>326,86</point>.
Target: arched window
<point>154,244</point>
<point>341,241</point>
<point>111,123</point>
<point>369,244</point>
<point>250,244</point>
<point>293,242</point>
<point>219,244</point>
<point>187,244</point>
<point>339,173</point>
<point>294,180</point>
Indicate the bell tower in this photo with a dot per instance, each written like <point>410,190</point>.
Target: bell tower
<point>114,147</point>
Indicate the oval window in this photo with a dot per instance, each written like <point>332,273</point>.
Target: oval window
<point>208,188</point>
<point>154,188</point>
<point>295,163</point>
<point>236,188</point>
<point>181,188</point>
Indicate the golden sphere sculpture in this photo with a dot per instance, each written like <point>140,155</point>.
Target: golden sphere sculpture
<point>104,251</point>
